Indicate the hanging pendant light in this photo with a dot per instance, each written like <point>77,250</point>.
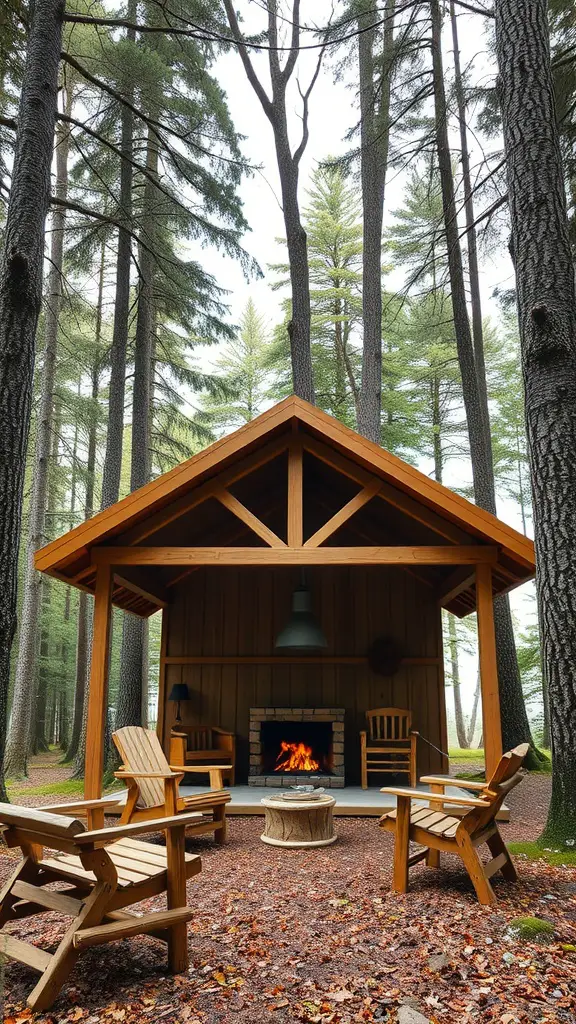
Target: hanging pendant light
<point>302,632</point>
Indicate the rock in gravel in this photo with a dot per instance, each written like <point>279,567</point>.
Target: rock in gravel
<point>407,1015</point>
<point>438,963</point>
<point>533,929</point>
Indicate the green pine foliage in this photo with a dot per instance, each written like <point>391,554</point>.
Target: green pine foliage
<point>333,225</point>
<point>241,372</point>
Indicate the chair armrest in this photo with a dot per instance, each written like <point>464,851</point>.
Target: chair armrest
<point>222,732</point>
<point>148,775</point>
<point>447,780</point>
<point>200,768</point>
<point>102,836</point>
<point>82,805</point>
<point>179,734</point>
<point>417,794</point>
<point>414,732</point>
<point>207,800</point>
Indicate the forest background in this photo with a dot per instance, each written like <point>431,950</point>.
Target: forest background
<point>207,287</point>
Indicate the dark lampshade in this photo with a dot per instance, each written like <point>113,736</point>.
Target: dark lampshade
<point>301,632</point>
<point>179,692</point>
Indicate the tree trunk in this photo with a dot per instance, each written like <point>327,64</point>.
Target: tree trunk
<point>474,715</point>
<point>84,602</point>
<point>27,661</point>
<point>547,312</point>
<point>288,167</point>
<point>546,737</point>
<point>514,719</point>
<point>129,709</point>
<point>473,270</point>
<point>297,245</point>
<point>374,140</point>
<point>117,387</point>
<point>62,738</point>
<point>39,738</point>
<point>458,713</point>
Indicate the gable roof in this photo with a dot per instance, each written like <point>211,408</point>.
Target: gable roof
<point>65,557</point>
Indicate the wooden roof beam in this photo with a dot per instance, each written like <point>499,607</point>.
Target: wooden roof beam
<point>389,494</point>
<point>370,555</point>
<point>455,584</point>
<point>343,515</point>
<point>208,490</point>
<point>248,518</point>
<point>121,581</point>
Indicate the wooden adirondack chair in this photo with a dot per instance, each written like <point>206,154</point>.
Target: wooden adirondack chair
<point>440,830</point>
<point>153,785</point>
<point>389,744</point>
<point>106,870</point>
<point>195,745</point>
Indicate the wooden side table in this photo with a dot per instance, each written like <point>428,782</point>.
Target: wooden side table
<point>296,823</point>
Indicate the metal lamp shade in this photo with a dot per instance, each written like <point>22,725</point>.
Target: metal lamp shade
<point>301,632</point>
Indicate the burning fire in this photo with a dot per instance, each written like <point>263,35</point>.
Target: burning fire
<point>295,757</point>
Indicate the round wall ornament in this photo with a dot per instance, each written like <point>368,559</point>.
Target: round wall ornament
<point>384,656</point>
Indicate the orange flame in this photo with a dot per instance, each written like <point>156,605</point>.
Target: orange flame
<point>295,757</point>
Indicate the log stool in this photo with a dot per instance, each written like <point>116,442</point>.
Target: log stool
<point>295,823</point>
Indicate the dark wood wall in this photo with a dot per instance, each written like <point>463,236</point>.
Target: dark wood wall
<point>224,612</point>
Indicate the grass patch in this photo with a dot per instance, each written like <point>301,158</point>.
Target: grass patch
<point>533,851</point>
<point>458,754</point>
<point>471,776</point>
<point>67,787</point>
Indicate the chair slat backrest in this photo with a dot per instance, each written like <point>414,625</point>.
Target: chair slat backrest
<point>389,725</point>
<point>199,737</point>
<point>141,751</point>
<point>506,776</point>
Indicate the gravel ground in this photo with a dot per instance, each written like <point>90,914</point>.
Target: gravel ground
<point>294,935</point>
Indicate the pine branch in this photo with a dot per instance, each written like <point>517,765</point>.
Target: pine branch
<point>134,163</point>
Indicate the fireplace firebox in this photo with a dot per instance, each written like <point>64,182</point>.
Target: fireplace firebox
<point>289,746</point>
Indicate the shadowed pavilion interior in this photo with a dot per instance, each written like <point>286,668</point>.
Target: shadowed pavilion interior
<point>220,544</point>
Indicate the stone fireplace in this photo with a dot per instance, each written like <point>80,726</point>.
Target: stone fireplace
<point>290,746</point>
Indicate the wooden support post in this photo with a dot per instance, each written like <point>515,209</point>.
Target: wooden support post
<point>295,495</point>
<point>98,694</point>
<point>488,669</point>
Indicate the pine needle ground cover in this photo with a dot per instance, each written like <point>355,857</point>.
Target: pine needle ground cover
<point>316,936</point>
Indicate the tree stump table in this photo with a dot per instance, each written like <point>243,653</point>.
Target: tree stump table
<point>295,823</point>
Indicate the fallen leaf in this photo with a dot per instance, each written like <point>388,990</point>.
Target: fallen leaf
<point>341,996</point>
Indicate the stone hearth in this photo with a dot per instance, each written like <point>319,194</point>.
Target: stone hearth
<point>330,775</point>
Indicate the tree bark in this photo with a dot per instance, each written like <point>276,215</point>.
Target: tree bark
<point>129,708</point>
<point>374,143</point>
<point>84,602</point>
<point>27,662</point>
<point>39,737</point>
<point>514,719</point>
<point>547,310</point>
<point>117,387</point>
<point>471,243</point>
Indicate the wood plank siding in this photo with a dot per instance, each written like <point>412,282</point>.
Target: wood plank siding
<point>237,612</point>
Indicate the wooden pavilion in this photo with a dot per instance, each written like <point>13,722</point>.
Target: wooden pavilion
<point>218,544</point>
